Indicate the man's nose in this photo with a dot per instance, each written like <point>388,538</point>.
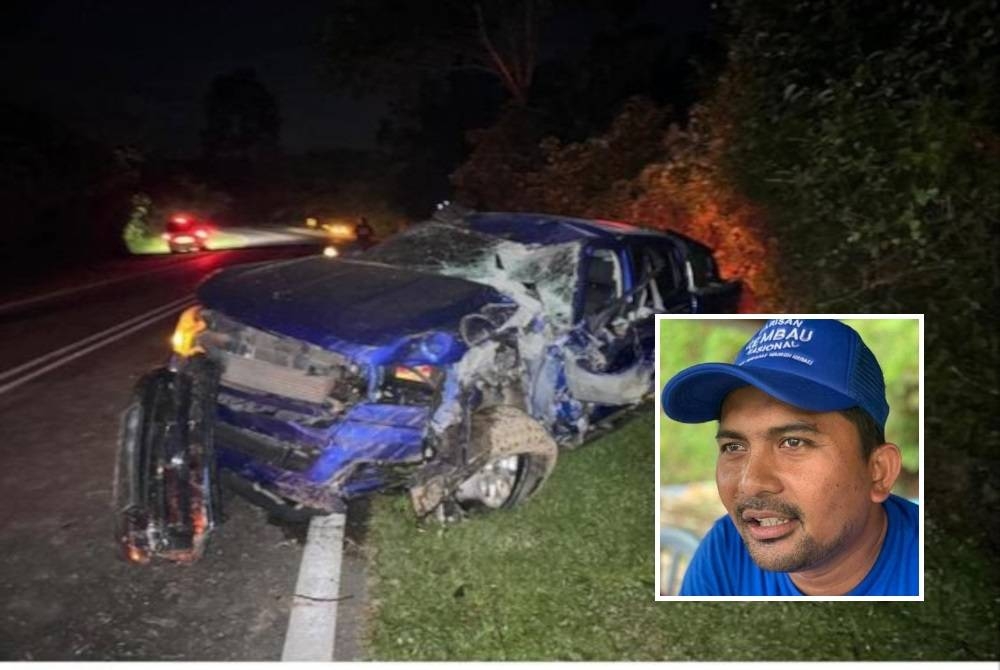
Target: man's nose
<point>760,473</point>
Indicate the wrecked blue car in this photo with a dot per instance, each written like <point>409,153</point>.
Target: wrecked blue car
<point>450,361</point>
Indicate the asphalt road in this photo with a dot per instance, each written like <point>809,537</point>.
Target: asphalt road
<point>63,594</point>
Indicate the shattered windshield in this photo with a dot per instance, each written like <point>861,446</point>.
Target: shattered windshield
<point>516,269</point>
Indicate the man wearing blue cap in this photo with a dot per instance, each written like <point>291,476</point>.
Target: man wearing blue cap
<point>803,470</point>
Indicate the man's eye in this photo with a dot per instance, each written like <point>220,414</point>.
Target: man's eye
<point>730,447</point>
<point>793,442</point>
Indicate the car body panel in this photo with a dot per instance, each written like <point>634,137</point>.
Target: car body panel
<point>339,377</point>
<point>366,305</point>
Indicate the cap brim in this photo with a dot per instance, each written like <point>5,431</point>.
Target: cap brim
<point>695,395</point>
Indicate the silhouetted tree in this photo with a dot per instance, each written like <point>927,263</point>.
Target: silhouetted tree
<point>383,44</point>
<point>424,140</point>
<point>64,197</point>
<point>241,118</point>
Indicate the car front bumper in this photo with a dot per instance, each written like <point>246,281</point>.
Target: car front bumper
<point>371,446</point>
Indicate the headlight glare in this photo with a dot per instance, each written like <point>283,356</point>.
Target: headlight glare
<point>189,325</point>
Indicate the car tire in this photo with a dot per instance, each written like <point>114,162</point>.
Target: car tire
<point>520,456</point>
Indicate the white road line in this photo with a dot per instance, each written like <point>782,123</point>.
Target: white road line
<point>8,306</point>
<point>151,314</point>
<point>312,623</point>
<point>103,339</point>
<point>164,267</point>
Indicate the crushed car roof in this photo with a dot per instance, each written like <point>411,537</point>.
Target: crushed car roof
<point>549,229</point>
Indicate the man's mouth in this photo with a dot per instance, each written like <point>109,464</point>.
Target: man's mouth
<point>775,521</point>
<point>766,525</point>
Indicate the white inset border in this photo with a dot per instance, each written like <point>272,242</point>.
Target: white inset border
<point>658,386</point>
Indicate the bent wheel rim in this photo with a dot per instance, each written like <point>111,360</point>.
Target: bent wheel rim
<point>494,484</point>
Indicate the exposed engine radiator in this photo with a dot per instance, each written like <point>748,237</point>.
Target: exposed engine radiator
<point>251,374</point>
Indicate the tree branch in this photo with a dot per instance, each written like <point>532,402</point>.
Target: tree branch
<point>883,281</point>
<point>500,66</point>
<point>530,42</point>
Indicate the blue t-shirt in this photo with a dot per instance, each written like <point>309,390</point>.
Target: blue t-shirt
<point>722,565</point>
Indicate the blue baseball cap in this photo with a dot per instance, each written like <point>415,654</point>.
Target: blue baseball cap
<point>820,365</point>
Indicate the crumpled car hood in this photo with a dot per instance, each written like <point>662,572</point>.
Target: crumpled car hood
<point>329,301</point>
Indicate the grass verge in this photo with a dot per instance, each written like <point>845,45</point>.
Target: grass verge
<point>569,576</point>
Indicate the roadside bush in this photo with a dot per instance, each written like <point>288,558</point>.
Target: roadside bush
<point>871,134</point>
<point>643,169</point>
<point>690,191</point>
<point>848,161</point>
<point>137,229</point>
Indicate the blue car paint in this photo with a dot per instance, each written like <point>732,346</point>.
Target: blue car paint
<point>368,432</point>
<point>547,229</point>
<point>379,315</point>
<point>294,298</point>
<point>372,432</point>
<point>372,309</point>
<point>279,429</point>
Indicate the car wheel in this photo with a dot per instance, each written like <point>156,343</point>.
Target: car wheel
<point>520,455</point>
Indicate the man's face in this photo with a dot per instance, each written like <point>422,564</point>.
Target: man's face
<point>794,482</point>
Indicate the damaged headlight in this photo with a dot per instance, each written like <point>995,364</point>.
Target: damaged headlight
<point>184,341</point>
<point>411,384</point>
<point>420,374</point>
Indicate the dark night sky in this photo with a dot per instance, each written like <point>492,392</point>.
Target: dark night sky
<point>138,72</point>
<point>128,72</point>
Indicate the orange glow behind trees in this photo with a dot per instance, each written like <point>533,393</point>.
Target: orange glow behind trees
<point>642,170</point>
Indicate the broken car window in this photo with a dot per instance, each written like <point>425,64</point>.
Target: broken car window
<point>603,281</point>
<point>520,270</point>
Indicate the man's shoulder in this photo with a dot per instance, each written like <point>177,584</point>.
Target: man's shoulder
<point>723,538</point>
<point>703,576</point>
<point>722,566</point>
<point>903,516</point>
<point>904,524</point>
<point>903,507</point>
<point>897,570</point>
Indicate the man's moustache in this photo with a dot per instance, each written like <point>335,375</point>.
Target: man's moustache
<point>773,505</point>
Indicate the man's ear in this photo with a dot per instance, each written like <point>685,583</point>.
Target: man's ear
<point>884,465</point>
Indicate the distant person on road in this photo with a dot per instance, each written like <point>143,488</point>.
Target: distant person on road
<point>363,233</point>
<point>803,469</point>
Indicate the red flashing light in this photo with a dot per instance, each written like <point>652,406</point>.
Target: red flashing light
<point>179,219</point>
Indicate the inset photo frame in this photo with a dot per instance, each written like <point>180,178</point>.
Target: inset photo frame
<point>789,457</point>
